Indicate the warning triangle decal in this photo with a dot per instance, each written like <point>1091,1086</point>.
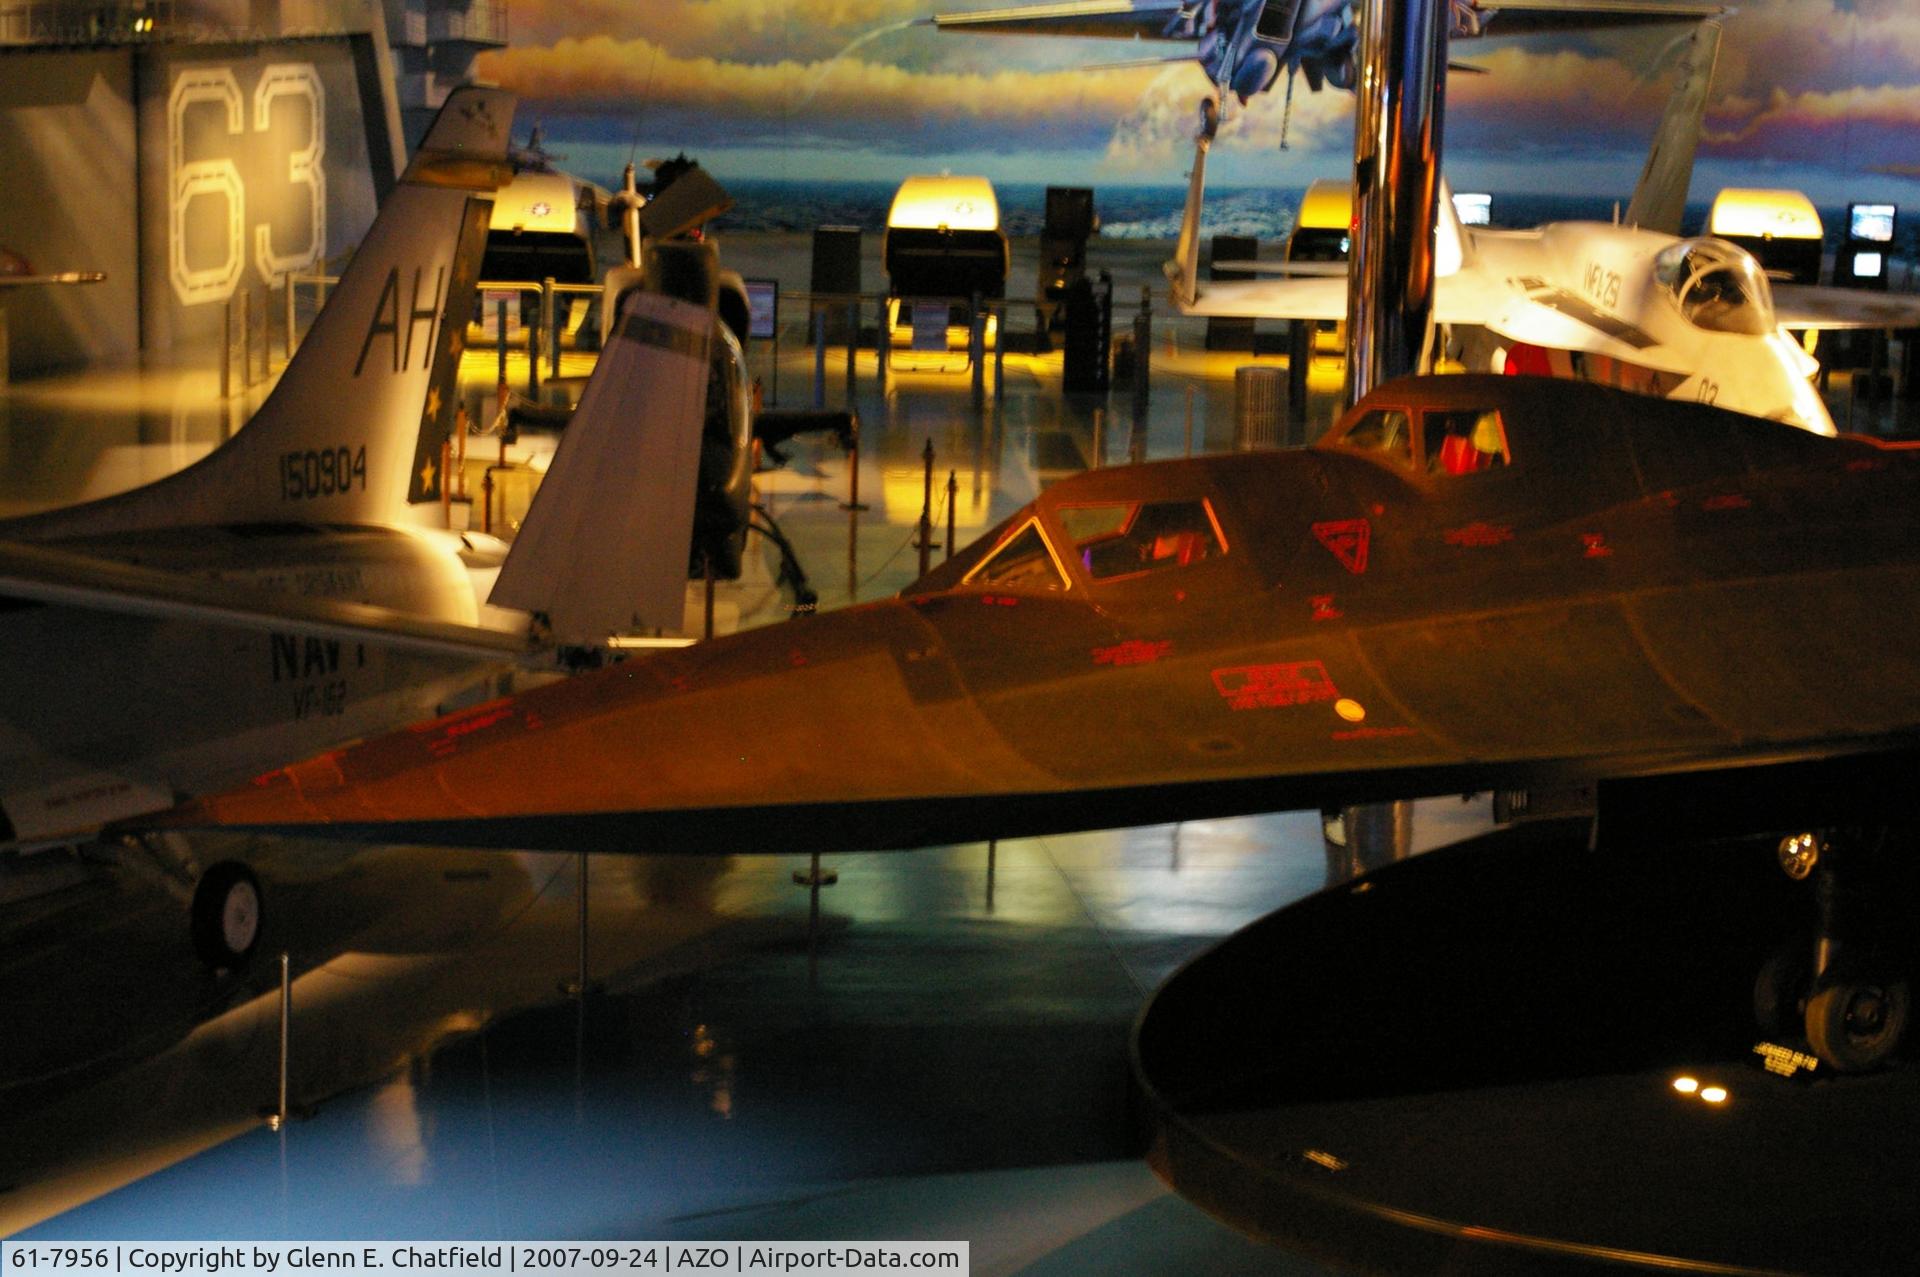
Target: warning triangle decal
<point>1347,540</point>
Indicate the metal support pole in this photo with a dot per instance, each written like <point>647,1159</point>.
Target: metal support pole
<point>953,494</point>
<point>500,335</point>
<point>706,570</point>
<point>226,350</point>
<point>246,338</point>
<point>977,349</point>
<point>852,503</point>
<point>550,315</point>
<point>1099,438</point>
<point>1000,357</point>
<point>819,356</point>
<point>926,509</point>
<point>279,1118</point>
<point>853,345</point>
<point>580,983</point>
<point>1143,347</point>
<point>882,342</point>
<point>534,330</point>
<point>486,501</point>
<point>813,880</point>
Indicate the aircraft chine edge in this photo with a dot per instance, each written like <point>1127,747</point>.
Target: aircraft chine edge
<point>1472,581</point>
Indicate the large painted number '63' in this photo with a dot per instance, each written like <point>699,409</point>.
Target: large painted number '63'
<point>194,180</point>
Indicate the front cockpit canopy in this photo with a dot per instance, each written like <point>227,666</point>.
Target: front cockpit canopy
<point>1718,286</point>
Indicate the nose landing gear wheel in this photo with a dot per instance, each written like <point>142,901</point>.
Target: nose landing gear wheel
<point>1856,1025</point>
<point>226,915</point>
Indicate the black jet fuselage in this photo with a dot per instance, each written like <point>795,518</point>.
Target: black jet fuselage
<point>1473,582</point>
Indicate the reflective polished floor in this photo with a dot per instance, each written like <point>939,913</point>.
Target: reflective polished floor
<point>942,1054</point>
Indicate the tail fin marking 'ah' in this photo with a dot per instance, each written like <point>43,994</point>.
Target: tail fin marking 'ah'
<point>1660,196</point>
<point>352,432</point>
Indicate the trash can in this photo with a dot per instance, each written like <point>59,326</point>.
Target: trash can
<point>1260,408</point>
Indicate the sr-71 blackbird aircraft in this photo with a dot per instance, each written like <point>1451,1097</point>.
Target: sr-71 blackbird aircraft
<point>1630,304</point>
<point>1472,582</point>
<point>1244,45</point>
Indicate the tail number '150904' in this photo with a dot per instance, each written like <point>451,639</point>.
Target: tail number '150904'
<point>322,472</point>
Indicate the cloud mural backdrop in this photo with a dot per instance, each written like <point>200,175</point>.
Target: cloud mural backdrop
<point>1818,94</point>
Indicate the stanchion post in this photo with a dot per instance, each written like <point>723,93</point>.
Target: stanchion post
<point>813,879</point>
<point>581,977</point>
<point>246,339</point>
<point>926,509</point>
<point>226,350</point>
<point>977,349</point>
<point>500,335</point>
<point>853,346</point>
<point>852,503</point>
<point>533,346</point>
<point>1143,346</point>
<point>1099,438</point>
<point>953,494</point>
<point>286,1038</point>
<point>993,855</point>
<point>706,571</point>
<point>819,355</point>
<point>1000,357</point>
<point>550,316</point>
<point>486,502</point>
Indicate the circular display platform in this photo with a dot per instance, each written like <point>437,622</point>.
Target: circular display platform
<point>1522,1055</point>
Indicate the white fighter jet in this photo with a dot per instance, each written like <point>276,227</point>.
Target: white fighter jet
<point>1628,304</point>
<point>297,587</point>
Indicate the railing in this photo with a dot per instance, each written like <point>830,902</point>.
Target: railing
<point>56,23</point>
<point>484,22</point>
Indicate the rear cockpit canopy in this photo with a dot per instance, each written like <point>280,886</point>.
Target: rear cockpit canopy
<point>1718,286</point>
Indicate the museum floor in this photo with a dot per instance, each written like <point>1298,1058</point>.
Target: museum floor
<point>942,1055</point>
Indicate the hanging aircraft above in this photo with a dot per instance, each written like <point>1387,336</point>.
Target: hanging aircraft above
<point>1473,582</point>
<point>1629,304</point>
<point>1243,46</point>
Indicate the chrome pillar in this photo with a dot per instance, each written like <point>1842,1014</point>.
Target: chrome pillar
<point>1398,106</point>
<point>1396,185</point>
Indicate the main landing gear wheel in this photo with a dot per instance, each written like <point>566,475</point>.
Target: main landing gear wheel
<point>1856,1025</point>
<point>226,915</point>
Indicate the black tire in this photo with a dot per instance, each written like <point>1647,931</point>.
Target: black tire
<point>226,915</point>
<point>1780,991</point>
<point>1855,1026</point>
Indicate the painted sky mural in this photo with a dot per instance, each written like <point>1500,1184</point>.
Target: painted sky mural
<point>1823,95</point>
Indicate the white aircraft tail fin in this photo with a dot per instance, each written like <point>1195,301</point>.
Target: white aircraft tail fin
<point>1660,197</point>
<point>352,433</point>
<point>604,546</point>
<point>1451,247</point>
<point>1183,272</point>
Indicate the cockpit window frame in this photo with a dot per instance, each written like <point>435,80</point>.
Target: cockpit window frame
<point>1682,269</point>
<point>1408,463</point>
<point>1014,533</point>
<point>1429,454</point>
<point>1136,505</point>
